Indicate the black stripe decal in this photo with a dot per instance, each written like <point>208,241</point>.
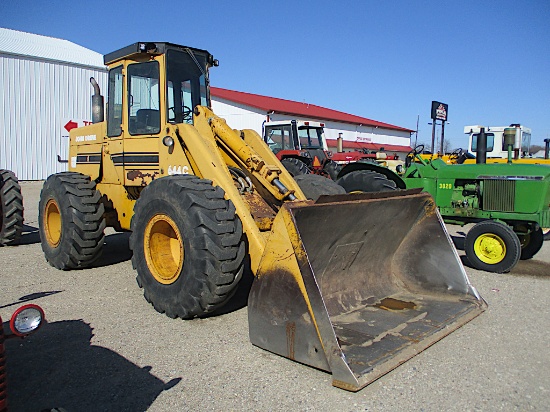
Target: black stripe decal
<point>87,159</point>
<point>148,159</point>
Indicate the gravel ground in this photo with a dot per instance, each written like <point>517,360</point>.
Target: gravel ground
<point>105,347</point>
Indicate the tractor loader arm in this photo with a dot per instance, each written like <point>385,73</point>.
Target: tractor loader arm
<point>265,167</point>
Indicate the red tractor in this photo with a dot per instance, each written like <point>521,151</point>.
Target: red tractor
<point>24,321</point>
<point>302,148</point>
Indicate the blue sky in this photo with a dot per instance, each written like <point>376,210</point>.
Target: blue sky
<point>385,60</point>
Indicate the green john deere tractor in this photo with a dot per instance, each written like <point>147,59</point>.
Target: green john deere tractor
<point>509,204</point>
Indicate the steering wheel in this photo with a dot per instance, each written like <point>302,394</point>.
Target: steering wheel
<point>187,113</point>
<point>455,154</point>
<point>414,154</point>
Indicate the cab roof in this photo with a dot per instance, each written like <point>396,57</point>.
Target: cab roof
<point>152,48</point>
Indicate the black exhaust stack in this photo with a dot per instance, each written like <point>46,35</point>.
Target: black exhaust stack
<point>481,155</point>
<point>546,148</point>
<point>97,103</point>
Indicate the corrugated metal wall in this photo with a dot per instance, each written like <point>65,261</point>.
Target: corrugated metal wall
<point>38,98</point>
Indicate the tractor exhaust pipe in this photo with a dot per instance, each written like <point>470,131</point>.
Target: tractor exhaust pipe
<point>546,148</point>
<point>509,141</point>
<point>97,103</point>
<point>481,155</point>
<point>340,143</point>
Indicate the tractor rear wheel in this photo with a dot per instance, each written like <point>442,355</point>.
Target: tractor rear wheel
<point>314,186</point>
<point>71,221</point>
<point>366,181</point>
<point>188,246</point>
<point>492,246</point>
<point>11,205</point>
<point>531,243</point>
<point>295,166</point>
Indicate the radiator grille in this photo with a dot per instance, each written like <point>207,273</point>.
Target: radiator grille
<point>499,195</point>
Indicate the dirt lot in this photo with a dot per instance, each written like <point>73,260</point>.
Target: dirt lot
<point>105,347</point>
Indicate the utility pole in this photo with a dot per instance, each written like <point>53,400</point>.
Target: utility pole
<point>416,136</point>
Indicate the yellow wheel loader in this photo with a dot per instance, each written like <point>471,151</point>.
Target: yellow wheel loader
<point>351,284</point>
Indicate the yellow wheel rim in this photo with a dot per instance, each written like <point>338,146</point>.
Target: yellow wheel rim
<point>490,248</point>
<point>163,246</point>
<point>52,223</point>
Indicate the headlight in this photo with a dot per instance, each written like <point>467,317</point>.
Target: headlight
<point>168,141</point>
<point>26,319</point>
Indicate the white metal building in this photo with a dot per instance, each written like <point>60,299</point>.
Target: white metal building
<point>250,111</point>
<point>45,85</point>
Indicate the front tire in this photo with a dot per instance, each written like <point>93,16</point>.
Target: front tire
<point>314,186</point>
<point>11,205</point>
<point>71,221</point>
<point>188,246</point>
<point>366,181</point>
<point>492,246</point>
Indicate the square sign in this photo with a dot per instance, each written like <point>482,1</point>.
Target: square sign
<point>439,111</point>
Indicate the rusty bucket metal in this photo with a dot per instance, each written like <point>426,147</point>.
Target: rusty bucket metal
<point>356,285</point>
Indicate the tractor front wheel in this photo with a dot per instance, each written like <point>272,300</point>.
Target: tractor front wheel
<point>71,221</point>
<point>188,246</point>
<point>492,246</point>
<point>11,206</point>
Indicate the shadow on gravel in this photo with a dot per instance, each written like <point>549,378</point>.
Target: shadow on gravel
<point>115,250</point>
<point>531,267</point>
<point>459,241</point>
<point>58,367</point>
<point>29,236</point>
<point>31,297</point>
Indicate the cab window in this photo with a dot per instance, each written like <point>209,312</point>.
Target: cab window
<point>490,142</point>
<point>278,138</point>
<point>114,107</point>
<point>310,137</point>
<point>143,98</point>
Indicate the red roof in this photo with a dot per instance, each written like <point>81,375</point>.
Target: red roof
<point>369,146</point>
<point>292,108</point>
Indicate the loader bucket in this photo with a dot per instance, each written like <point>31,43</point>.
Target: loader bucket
<point>356,285</point>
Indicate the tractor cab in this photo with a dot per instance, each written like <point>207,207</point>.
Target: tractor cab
<point>146,99</point>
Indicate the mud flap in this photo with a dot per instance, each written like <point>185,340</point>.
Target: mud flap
<point>357,285</point>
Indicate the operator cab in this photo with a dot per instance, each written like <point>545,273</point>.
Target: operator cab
<point>148,100</point>
<point>294,135</point>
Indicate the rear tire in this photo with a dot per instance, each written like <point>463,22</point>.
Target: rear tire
<point>531,243</point>
<point>295,166</point>
<point>366,181</point>
<point>188,246</point>
<point>314,186</point>
<point>71,221</point>
<point>492,246</point>
<point>11,205</point>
